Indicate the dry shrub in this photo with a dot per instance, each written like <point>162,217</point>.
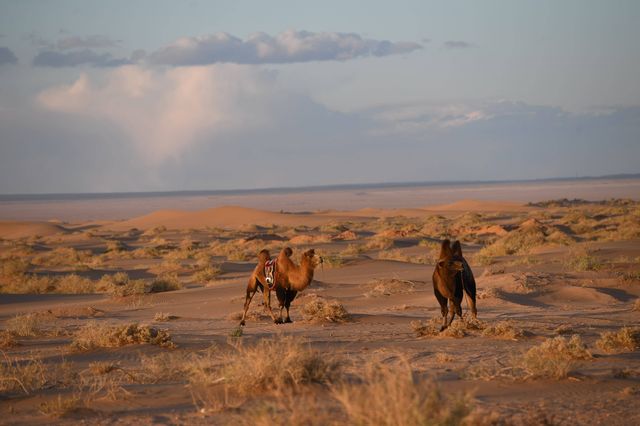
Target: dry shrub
<point>207,274</point>
<point>626,339</point>
<point>62,256</point>
<point>163,317</point>
<point>22,375</point>
<point>94,335</point>
<point>25,325</point>
<point>62,406</point>
<point>443,358</point>
<point>432,328</point>
<point>275,364</point>
<point>563,329</point>
<point>119,284</point>
<point>554,357</point>
<point>528,235</point>
<point>13,267</point>
<point>379,243</point>
<point>393,396</point>
<point>389,286</point>
<point>291,408</point>
<point>166,282</point>
<point>581,260</point>
<point>353,250</point>
<point>7,340</point>
<point>503,330</point>
<point>319,309</point>
<point>104,379</point>
<point>74,284</point>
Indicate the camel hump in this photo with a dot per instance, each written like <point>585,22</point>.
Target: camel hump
<point>264,256</point>
<point>457,248</point>
<point>310,253</point>
<point>287,251</point>
<point>445,249</point>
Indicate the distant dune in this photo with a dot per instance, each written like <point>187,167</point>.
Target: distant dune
<point>479,206</point>
<point>224,217</point>
<point>14,229</point>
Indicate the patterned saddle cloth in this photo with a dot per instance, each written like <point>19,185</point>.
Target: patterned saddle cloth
<point>270,273</point>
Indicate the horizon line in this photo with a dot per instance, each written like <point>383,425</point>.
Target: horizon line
<point>285,189</point>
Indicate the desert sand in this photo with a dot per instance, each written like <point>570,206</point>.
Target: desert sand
<point>136,320</point>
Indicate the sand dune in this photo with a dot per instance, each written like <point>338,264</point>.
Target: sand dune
<point>479,206</point>
<point>223,217</point>
<point>13,229</point>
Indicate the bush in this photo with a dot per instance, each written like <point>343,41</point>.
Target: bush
<point>94,335</point>
<point>392,396</point>
<point>321,310</point>
<point>626,339</point>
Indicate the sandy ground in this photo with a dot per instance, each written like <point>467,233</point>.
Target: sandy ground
<point>586,283</point>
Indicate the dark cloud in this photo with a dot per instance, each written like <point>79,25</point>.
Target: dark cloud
<point>457,44</point>
<point>51,58</point>
<point>287,47</point>
<point>7,56</point>
<point>88,42</point>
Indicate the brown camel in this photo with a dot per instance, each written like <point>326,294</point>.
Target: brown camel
<point>258,281</point>
<point>292,279</point>
<point>445,285</point>
<point>468,281</point>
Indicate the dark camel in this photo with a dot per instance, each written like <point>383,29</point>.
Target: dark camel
<point>468,281</point>
<point>447,285</point>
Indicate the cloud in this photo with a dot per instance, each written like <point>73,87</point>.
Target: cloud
<point>7,56</point>
<point>51,58</point>
<point>88,42</point>
<point>287,47</point>
<point>233,126</point>
<point>164,112</point>
<point>457,44</point>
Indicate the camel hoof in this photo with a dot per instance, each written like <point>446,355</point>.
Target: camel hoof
<point>443,328</point>
<point>278,321</point>
<point>242,323</point>
<point>288,320</point>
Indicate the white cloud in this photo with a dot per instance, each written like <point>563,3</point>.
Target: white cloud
<point>164,112</point>
<point>287,47</point>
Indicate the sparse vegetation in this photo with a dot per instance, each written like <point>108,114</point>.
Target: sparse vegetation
<point>554,357</point>
<point>98,335</point>
<point>414,402</point>
<point>626,339</point>
<point>319,309</point>
<point>389,286</point>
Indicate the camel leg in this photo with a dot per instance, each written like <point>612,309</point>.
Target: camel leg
<point>267,304</point>
<point>472,304</point>
<point>453,308</point>
<point>289,296</point>
<point>247,302</point>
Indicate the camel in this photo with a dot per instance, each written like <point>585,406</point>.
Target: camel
<point>258,281</point>
<point>289,280</point>
<point>468,281</point>
<point>292,279</point>
<point>447,285</point>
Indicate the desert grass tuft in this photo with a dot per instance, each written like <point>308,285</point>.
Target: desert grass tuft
<point>319,309</point>
<point>25,325</point>
<point>62,406</point>
<point>626,339</point>
<point>389,286</point>
<point>276,364</point>
<point>95,335</point>
<point>391,395</point>
<point>21,376</point>
<point>503,330</point>
<point>554,357</point>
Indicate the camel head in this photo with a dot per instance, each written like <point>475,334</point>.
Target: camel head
<point>449,264</point>
<point>311,258</point>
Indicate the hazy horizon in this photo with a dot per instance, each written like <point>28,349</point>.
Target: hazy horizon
<point>161,96</point>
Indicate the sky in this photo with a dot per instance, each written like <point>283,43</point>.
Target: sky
<point>123,96</point>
